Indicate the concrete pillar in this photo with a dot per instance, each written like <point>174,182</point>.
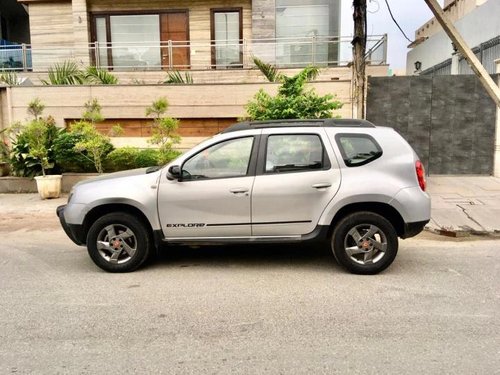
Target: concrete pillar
<point>496,154</point>
<point>263,27</point>
<point>455,61</point>
<point>263,19</point>
<point>81,31</point>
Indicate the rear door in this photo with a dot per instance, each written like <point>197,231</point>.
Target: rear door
<point>297,176</point>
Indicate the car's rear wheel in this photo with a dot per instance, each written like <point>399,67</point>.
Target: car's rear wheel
<point>118,242</point>
<point>364,243</point>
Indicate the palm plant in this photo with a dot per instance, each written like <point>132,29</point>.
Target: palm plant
<point>94,75</point>
<point>66,73</point>
<point>9,77</point>
<point>270,71</point>
<point>175,77</point>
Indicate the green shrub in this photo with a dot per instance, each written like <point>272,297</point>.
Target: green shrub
<point>167,156</point>
<point>131,157</point>
<point>121,159</point>
<point>293,100</point>
<point>147,158</point>
<point>65,155</point>
<point>25,165</point>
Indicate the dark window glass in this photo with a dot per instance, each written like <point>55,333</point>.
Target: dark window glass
<point>358,149</point>
<point>222,160</point>
<point>294,153</point>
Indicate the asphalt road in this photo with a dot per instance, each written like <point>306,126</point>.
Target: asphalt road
<point>286,310</point>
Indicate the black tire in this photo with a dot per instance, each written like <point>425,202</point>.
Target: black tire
<point>375,248</point>
<point>127,250</point>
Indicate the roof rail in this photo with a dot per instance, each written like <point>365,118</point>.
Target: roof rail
<point>330,122</point>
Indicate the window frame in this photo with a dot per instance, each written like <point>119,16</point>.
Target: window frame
<point>261,167</point>
<point>252,162</point>
<point>107,15</point>
<point>357,135</point>
<point>213,58</point>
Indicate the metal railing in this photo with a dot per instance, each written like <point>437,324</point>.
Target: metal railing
<point>197,55</point>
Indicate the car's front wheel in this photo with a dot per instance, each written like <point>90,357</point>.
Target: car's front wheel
<point>364,243</point>
<point>118,242</point>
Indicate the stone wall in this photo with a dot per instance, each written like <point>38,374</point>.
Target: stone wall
<point>448,120</point>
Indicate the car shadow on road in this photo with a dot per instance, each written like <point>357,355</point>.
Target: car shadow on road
<point>310,256</point>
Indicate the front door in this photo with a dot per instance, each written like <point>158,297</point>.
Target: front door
<point>175,28</point>
<point>213,197</point>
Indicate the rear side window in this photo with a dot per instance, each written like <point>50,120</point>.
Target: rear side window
<point>358,149</point>
<point>295,153</point>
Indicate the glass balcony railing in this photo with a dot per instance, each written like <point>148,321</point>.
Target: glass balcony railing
<point>322,51</point>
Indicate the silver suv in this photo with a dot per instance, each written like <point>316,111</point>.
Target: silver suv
<point>354,184</point>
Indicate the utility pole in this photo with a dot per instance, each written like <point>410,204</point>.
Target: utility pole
<point>359,51</point>
<point>488,83</point>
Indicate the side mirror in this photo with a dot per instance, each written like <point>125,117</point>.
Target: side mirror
<point>174,173</point>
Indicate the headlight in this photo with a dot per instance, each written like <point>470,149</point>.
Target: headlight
<point>70,195</point>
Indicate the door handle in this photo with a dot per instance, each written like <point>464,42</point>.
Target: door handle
<point>238,190</point>
<point>322,185</point>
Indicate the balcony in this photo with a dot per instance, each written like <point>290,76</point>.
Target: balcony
<point>196,55</point>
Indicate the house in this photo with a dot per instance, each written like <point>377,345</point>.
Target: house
<point>214,41</point>
<point>14,32</point>
<point>477,22</point>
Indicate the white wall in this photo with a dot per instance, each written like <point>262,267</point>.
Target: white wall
<point>477,27</point>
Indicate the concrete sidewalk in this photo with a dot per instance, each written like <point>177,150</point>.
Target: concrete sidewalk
<point>464,204</point>
<point>461,205</point>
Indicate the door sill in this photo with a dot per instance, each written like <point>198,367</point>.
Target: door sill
<point>231,240</point>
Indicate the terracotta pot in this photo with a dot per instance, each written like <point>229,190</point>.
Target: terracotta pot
<point>49,186</point>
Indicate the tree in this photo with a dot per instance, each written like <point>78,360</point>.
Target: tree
<point>293,100</point>
<point>164,130</point>
<point>93,145</point>
<point>35,108</point>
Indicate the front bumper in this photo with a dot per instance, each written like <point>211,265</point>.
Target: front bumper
<point>74,232</point>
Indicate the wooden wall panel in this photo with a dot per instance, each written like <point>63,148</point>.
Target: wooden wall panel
<point>188,127</point>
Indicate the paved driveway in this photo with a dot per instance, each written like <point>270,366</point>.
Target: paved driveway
<point>247,310</point>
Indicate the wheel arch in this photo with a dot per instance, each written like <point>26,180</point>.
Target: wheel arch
<point>382,209</point>
<point>107,208</point>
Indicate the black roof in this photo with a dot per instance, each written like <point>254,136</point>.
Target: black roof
<point>330,122</point>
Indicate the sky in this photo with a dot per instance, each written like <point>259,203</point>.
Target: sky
<point>410,14</point>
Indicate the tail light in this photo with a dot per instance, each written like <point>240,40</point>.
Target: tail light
<point>419,168</point>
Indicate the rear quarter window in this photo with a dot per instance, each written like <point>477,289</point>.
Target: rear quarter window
<point>358,149</point>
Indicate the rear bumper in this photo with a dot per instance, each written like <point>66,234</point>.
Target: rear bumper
<point>74,232</point>
<point>412,229</point>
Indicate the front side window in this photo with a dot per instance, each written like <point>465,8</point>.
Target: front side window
<point>358,149</point>
<point>294,153</point>
<point>226,159</point>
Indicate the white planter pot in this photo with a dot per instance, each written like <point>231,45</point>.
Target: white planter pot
<point>49,186</point>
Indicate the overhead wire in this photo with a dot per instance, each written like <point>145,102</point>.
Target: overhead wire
<point>396,22</point>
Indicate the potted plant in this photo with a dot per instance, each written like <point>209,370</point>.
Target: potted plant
<point>38,138</point>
